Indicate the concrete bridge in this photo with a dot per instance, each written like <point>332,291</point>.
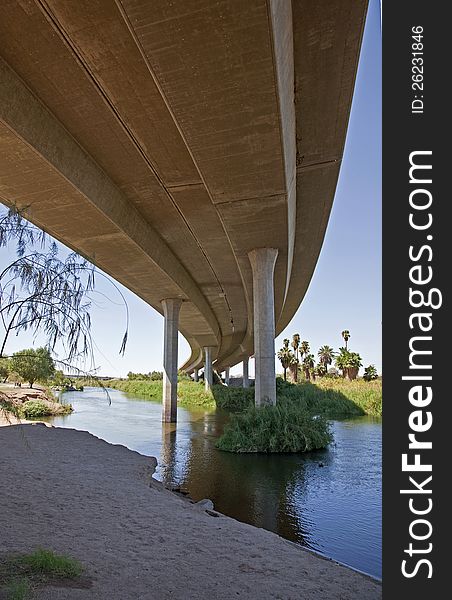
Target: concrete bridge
<point>190,149</point>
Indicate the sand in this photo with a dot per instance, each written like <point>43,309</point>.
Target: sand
<point>71,492</point>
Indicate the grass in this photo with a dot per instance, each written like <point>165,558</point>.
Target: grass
<point>332,398</point>
<point>298,422</point>
<point>19,589</point>
<point>280,428</point>
<point>47,563</point>
<point>21,574</point>
<point>190,393</point>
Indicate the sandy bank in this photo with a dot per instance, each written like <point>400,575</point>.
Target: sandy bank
<point>78,495</point>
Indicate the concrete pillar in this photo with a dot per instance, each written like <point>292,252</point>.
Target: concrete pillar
<point>226,375</point>
<point>263,262</point>
<point>246,380</point>
<point>171,308</point>
<point>196,375</point>
<point>208,373</point>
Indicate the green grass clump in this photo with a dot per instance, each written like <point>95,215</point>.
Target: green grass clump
<point>189,393</point>
<point>21,574</point>
<point>19,589</point>
<point>46,562</point>
<point>280,428</point>
<point>233,399</point>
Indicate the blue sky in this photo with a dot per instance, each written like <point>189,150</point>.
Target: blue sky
<point>345,292</point>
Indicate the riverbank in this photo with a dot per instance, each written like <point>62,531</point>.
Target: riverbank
<point>189,393</point>
<point>332,397</point>
<point>29,403</point>
<point>141,541</point>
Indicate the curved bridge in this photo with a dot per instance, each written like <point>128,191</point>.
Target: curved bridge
<point>190,149</point>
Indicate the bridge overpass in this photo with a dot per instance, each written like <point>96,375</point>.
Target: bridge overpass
<point>189,148</point>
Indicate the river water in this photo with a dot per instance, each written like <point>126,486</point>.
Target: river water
<point>328,501</point>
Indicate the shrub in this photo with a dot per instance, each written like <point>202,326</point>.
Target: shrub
<point>233,399</point>
<point>280,428</point>
<point>33,409</point>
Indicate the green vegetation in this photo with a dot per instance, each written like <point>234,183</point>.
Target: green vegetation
<point>301,360</point>
<point>46,562</point>
<point>298,423</point>
<point>19,589</point>
<point>23,573</point>
<point>33,365</point>
<point>233,399</point>
<point>370,373</point>
<point>280,428</point>
<point>333,398</point>
<point>190,393</point>
<point>34,409</point>
<point>364,396</point>
<point>151,376</point>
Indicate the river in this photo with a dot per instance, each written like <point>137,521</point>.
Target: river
<point>328,501</point>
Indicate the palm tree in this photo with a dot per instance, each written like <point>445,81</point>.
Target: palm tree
<point>296,343</point>
<point>326,354</point>
<point>342,361</point>
<point>304,348</point>
<point>294,366</point>
<point>285,356</point>
<point>346,335</point>
<point>308,365</point>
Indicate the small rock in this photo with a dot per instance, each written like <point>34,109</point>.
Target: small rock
<point>205,504</point>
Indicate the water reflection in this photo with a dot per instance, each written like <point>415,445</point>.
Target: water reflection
<point>334,508</point>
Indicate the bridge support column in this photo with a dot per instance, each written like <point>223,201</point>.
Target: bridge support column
<point>171,308</point>
<point>196,375</point>
<point>208,373</point>
<point>246,381</point>
<point>226,375</point>
<point>263,262</point>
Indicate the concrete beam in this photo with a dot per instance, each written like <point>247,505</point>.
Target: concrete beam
<point>171,308</point>
<point>246,381</point>
<point>263,262</point>
<point>208,372</point>
<point>226,375</point>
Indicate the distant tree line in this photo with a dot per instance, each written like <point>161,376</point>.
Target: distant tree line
<point>296,358</point>
<point>151,376</point>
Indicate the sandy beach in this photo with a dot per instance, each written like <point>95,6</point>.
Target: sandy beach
<point>71,492</point>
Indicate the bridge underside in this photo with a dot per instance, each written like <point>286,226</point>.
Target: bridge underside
<point>166,141</point>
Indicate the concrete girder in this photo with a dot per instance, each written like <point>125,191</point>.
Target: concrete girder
<point>29,120</point>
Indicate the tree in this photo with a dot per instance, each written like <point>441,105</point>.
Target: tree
<point>354,363</point>
<point>5,368</point>
<point>33,365</point>
<point>346,335</point>
<point>349,363</point>
<point>304,348</point>
<point>309,366</point>
<point>342,360</point>
<point>295,361</point>
<point>285,356</point>
<point>39,291</point>
<point>370,373</point>
<point>326,355</point>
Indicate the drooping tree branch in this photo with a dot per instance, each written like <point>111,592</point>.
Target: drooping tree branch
<point>44,293</point>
